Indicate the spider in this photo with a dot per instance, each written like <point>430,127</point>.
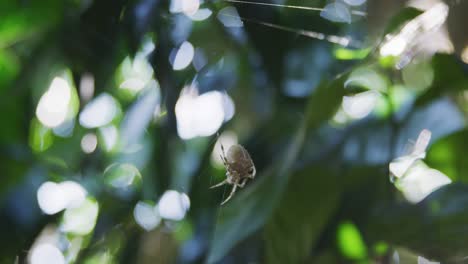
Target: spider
<point>239,168</point>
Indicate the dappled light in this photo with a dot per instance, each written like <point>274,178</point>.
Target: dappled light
<point>360,105</point>
<point>406,41</point>
<point>53,107</point>
<point>422,260</point>
<point>87,87</point>
<point>146,215</point>
<point>229,17</point>
<point>420,181</point>
<point>109,136</point>
<point>136,73</point>
<point>183,56</point>
<point>46,254</point>
<point>336,12</point>
<point>55,197</point>
<point>122,176</point>
<point>82,219</point>
<point>412,176</point>
<point>201,14</point>
<point>233,131</point>
<point>99,112</point>
<point>173,205</point>
<point>201,115</point>
<point>89,143</point>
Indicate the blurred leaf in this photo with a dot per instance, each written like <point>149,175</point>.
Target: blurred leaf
<point>247,212</point>
<point>336,12</point>
<point>9,68</point>
<point>309,201</point>
<point>349,54</point>
<point>139,116</point>
<point>21,21</point>
<point>350,242</point>
<point>40,137</point>
<point>325,101</point>
<point>404,16</point>
<point>364,79</point>
<point>449,156</point>
<point>435,227</point>
<point>449,76</point>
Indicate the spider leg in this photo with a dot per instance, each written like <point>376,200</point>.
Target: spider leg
<point>219,184</point>
<point>224,160</point>
<point>244,181</point>
<point>231,194</point>
<point>224,154</point>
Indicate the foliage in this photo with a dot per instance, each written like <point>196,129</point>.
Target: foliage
<point>96,164</point>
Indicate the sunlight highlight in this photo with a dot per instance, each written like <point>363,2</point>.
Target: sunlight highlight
<point>53,198</point>
<point>86,87</point>
<point>188,7</point>
<point>52,109</point>
<point>400,166</point>
<point>336,12</point>
<point>229,17</point>
<point>136,73</point>
<point>146,215</point>
<point>360,105</point>
<point>201,14</point>
<point>110,136</point>
<point>173,205</point>
<point>46,253</point>
<point>464,55</point>
<point>420,181</point>
<point>99,112</point>
<point>89,143</point>
<point>122,175</point>
<point>81,220</point>
<point>202,115</point>
<point>422,260</point>
<point>183,56</point>
<point>408,36</point>
<point>412,176</point>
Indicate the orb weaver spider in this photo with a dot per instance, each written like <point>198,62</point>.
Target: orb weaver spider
<point>239,168</point>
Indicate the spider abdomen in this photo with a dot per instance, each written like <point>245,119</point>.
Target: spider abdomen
<point>240,162</point>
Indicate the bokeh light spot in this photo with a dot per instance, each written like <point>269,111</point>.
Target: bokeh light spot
<point>54,197</point>
<point>121,175</point>
<point>146,215</point>
<point>99,112</point>
<point>46,254</point>
<point>229,17</point>
<point>81,220</point>
<point>183,56</point>
<point>350,242</point>
<point>52,109</point>
<point>360,105</point>
<point>202,115</point>
<point>173,205</point>
<point>89,143</point>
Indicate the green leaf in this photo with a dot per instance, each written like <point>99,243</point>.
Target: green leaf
<point>449,156</point>
<point>251,209</point>
<point>350,242</point>
<point>400,19</point>
<point>9,68</point>
<point>325,101</point>
<point>435,227</point>
<point>448,77</point>
<point>309,202</point>
<point>23,21</point>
